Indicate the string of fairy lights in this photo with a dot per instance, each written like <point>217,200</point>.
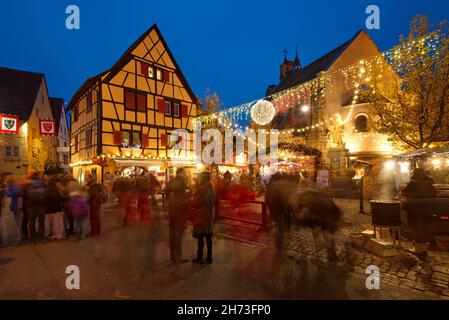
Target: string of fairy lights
<point>355,75</point>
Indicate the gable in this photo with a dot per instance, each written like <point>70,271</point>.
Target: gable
<point>149,48</point>
<point>361,47</point>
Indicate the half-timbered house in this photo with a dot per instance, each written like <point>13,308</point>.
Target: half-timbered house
<point>121,119</point>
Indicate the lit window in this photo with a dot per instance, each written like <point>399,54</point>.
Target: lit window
<point>125,138</point>
<point>361,123</point>
<point>158,74</point>
<point>151,72</point>
<point>12,151</point>
<point>136,138</point>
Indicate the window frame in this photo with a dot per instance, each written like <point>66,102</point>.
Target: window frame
<point>356,123</point>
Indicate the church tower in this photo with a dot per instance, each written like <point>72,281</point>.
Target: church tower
<point>286,67</point>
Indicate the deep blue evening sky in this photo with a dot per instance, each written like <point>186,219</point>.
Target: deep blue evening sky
<point>232,47</point>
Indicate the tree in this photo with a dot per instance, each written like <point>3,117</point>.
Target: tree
<point>213,102</point>
<point>412,102</point>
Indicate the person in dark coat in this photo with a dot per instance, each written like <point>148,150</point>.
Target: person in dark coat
<point>176,193</point>
<point>420,186</point>
<point>203,220</point>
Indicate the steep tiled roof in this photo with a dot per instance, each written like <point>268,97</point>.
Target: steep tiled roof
<point>18,90</point>
<point>57,104</point>
<point>311,71</point>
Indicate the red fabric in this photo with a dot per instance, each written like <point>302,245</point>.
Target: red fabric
<point>184,111</point>
<point>166,76</point>
<point>141,102</point>
<point>161,105</point>
<point>130,100</point>
<point>144,68</point>
<point>118,137</point>
<point>145,140</point>
<point>164,140</point>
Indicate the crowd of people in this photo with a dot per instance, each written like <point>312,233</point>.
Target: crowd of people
<point>51,208</point>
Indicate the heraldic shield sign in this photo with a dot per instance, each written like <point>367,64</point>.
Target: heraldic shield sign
<point>9,124</point>
<point>47,127</point>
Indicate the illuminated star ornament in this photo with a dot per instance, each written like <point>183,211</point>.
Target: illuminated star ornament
<point>262,112</point>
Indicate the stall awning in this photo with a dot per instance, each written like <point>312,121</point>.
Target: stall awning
<point>138,163</point>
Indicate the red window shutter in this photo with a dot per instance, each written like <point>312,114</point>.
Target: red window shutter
<point>145,142</point>
<point>161,105</point>
<point>130,100</point>
<point>141,102</point>
<point>166,76</point>
<point>76,143</point>
<point>184,111</point>
<point>164,140</point>
<point>118,137</point>
<point>144,68</point>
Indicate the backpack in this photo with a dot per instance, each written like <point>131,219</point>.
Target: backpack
<point>36,193</point>
<point>78,206</point>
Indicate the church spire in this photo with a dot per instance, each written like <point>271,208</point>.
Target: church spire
<point>296,62</point>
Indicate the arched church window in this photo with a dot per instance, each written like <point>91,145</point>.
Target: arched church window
<point>361,123</point>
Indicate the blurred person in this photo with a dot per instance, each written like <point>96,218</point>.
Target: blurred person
<point>203,219</point>
<point>71,185</point>
<point>176,193</point>
<point>34,204</point>
<point>78,208</point>
<point>97,196</point>
<point>54,218</point>
<point>154,184</point>
<point>13,191</point>
<point>143,204</point>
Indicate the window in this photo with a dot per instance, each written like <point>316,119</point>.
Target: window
<point>150,72</point>
<point>361,123</point>
<point>89,102</point>
<point>89,138</point>
<point>167,108</point>
<point>76,143</point>
<point>159,74</point>
<point>126,138</point>
<point>141,102</point>
<point>176,110</point>
<point>130,100</point>
<point>136,138</point>
<point>75,113</point>
<point>12,151</point>
<point>131,138</point>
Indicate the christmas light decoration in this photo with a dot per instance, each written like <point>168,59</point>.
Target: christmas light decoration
<point>263,112</point>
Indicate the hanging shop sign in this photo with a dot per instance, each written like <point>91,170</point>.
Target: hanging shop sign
<point>9,124</point>
<point>47,127</point>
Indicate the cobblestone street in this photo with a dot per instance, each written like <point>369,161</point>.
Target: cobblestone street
<point>132,263</point>
<point>406,270</point>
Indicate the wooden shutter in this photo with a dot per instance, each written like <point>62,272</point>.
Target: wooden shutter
<point>130,100</point>
<point>141,102</point>
<point>75,111</point>
<point>76,144</point>
<point>166,76</point>
<point>184,111</point>
<point>145,142</point>
<point>144,68</point>
<point>161,105</point>
<point>118,137</point>
<point>164,140</point>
